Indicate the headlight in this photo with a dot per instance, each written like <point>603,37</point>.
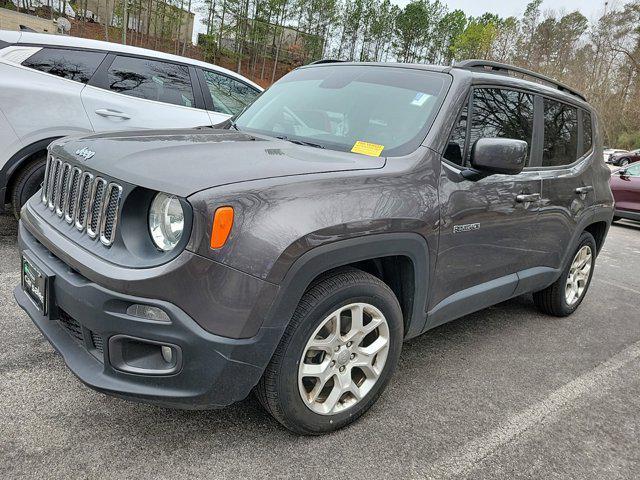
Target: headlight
<point>166,221</point>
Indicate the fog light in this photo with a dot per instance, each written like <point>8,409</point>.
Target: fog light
<point>148,312</point>
<point>167,354</point>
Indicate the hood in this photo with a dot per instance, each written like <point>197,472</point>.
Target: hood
<point>182,162</point>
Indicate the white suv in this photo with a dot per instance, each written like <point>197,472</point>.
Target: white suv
<point>52,86</point>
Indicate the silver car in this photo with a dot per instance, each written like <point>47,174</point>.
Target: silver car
<point>53,86</point>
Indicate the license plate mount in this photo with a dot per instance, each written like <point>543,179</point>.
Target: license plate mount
<point>35,284</point>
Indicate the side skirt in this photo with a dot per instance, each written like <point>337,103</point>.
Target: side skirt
<point>490,293</point>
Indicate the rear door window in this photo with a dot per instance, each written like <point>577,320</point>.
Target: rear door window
<point>77,65</point>
<point>560,134</point>
<point>152,80</point>
<point>501,113</point>
<point>229,96</point>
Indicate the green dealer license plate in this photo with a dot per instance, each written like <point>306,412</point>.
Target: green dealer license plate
<point>35,284</point>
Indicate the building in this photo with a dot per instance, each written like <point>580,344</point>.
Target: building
<point>11,20</point>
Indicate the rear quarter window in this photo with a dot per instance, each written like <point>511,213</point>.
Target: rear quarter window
<point>587,134</point>
<point>77,65</point>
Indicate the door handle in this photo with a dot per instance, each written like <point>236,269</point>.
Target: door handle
<point>526,198</point>
<point>105,112</point>
<point>584,190</point>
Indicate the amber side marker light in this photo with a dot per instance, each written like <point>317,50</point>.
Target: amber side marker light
<point>222,223</point>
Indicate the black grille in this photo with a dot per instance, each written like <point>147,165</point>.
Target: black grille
<point>90,202</point>
<point>97,341</point>
<point>70,325</point>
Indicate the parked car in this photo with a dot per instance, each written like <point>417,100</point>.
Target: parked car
<point>625,185</point>
<point>350,207</point>
<point>624,158</point>
<point>52,86</point>
<point>607,152</point>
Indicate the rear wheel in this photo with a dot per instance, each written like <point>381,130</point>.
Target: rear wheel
<point>336,356</point>
<point>564,296</point>
<point>28,182</point>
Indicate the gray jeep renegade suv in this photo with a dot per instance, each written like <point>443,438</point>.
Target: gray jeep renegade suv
<point>293,249</point>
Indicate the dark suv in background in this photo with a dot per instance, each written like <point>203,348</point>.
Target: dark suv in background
<point>293,249</point>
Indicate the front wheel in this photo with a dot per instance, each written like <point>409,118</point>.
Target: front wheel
<point>564,296</point>
<point>27,183</point>
<point>624,162</point>
<point>336,356</point>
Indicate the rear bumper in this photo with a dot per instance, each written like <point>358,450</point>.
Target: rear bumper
<point>214,371</point>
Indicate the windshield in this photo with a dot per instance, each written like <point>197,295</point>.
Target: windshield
<point>365,109</point>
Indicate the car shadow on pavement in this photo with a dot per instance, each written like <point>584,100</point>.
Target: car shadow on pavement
<point>246,420</point>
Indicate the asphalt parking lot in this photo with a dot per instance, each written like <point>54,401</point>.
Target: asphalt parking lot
<point>503,393</point>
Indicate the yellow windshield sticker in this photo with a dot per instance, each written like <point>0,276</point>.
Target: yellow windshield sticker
<point>366,148</point>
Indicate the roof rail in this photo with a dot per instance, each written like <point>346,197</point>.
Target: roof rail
<point>326,60</point>
<point>503,68</point>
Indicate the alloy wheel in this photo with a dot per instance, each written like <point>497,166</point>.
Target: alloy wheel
<point>343,358</point>
<point>578,277</point>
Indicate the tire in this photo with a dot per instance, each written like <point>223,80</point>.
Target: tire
<point>28,182</point>
<point>281,387</point>
<point>624,162</point>
<point>555,299</point>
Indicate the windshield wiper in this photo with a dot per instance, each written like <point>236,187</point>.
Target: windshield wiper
<point>299,142</point>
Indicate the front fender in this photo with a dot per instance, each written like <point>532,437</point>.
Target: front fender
<point>327,257</point>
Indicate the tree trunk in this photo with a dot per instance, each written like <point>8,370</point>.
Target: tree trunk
<point>125,20</point>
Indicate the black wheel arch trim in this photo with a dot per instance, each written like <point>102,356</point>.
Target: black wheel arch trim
<point>9,169</point>
<point>344,252</point>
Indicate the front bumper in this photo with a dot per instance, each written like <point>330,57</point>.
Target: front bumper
<point>214,371</point>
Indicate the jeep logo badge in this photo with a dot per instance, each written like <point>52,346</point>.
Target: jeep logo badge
<point>85,153</point>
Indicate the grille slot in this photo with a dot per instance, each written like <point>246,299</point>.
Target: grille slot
<point>56,166</point>
<point>71,200</point>
<point>86,184</point>
<point>45,183</point>
<point>110,214</point>
<point>96,206</point>
<point>63,189</point>
<point>90,203</point>
<point>70,324</point>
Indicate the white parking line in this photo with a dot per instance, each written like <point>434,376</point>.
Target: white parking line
<point>621,287</point>
<point>465,459</point>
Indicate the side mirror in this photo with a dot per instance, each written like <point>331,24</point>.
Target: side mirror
<point>622,172</point>
<point>499,155</point>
